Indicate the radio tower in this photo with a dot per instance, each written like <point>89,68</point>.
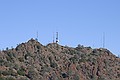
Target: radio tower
<point>53,38</point>
<point>103,40</point>
<point>57,37</point>
<point>37,36</point>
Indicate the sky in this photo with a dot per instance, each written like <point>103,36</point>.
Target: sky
<point>77,22</point>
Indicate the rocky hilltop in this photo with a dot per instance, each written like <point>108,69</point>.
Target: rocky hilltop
<point>34,61</point>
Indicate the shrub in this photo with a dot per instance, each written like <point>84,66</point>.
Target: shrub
<point>21,72</point>
<point>78,67</point>
<point>76,77</point>
<point>0,73</point>
<point>53,65</point>
<point>10,55</point>
<point>16,67</point>
<point>2,78</point>
<point>8,58</point>
<point>64,75</point>
<point>8,64</point>
<point>5,73</point>
<point>118,75</point>
<point>9,72</point>
<point>79,47</point>
<point>21,59</point>
<point>73,59</point>
<point>7,48</point>
<point>70,72</point>
<point>100,78</point>
<point>82,60</point>
<point>38,47</point>
<point>9,78</point>
<point>31,75</point>
<point>71,52</point>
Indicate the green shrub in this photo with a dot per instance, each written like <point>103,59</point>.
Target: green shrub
<point>21,72</point>
<point>32,75</point>
<point>118,75</point>
<point>16,67</point>
<point>82,60</point>
<point>10,55</point>
<point>5,73</point>
<point>9,72</point>
<point>71,52</point>
<point>73,59</point>
<point>70,72</point>
<point>76,77</point>
<point>9,78</point>
<point>100,78</point>
<point>38,47</point>
<point>21,59</point>
<point>53,65</point>
<point>8,58</point>
<point>2,78</point>
<point>78,67</point>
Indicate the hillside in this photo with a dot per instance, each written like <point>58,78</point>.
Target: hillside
<point>33,61</point>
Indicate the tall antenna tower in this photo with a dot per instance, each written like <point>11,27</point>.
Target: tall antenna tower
<point>57,37</point>
<point>37,36</point>
<point>53,38</point>
<point>104,40</point>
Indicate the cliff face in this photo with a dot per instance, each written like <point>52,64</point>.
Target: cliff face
<point>33,61</point>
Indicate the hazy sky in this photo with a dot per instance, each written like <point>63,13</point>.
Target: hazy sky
<point>77,21</point>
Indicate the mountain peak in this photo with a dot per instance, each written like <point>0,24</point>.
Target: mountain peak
<point>33,61</point>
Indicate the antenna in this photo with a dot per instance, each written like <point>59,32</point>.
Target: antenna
<point>56,37</point>
<point>53,38</point>
<point>104,40</point>
<point>37,36</point>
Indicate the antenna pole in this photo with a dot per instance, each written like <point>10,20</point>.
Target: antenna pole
<point>103,40</point>
<point>37,36</point>
<point>53,38</point>
<point>56,37</point>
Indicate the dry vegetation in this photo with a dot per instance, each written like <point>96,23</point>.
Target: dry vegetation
<point>33,61</point>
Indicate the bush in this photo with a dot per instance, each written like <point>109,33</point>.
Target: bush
<point>38,47</point>
<point>1,78</point>
<point>100,78</point>
<point>53,65</point>
<point>79,47</point>
<point>64,75</point>
<point>9,78</point>
<point>70,72</point>
<point>82,60</point>
<point>21,59</point>
<point>76,77</point>
<point>31,75</point>
<point>71,52</point>
<point>74,59</point>
<point>5,73</point>
<point>8,58</point>
<point>78,67</point>
<point>10,72</point>
<point>10,55</point>
<point>16,67</point>
<point>21,72</point>
<point>118,75</point>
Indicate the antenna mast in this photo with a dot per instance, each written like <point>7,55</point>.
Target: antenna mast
<point>53,38</point>
<point>56,37</point>
<point>37,36</point>
<point>103,40</point>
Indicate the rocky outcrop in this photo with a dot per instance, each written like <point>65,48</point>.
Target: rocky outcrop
<point>34,61</point>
